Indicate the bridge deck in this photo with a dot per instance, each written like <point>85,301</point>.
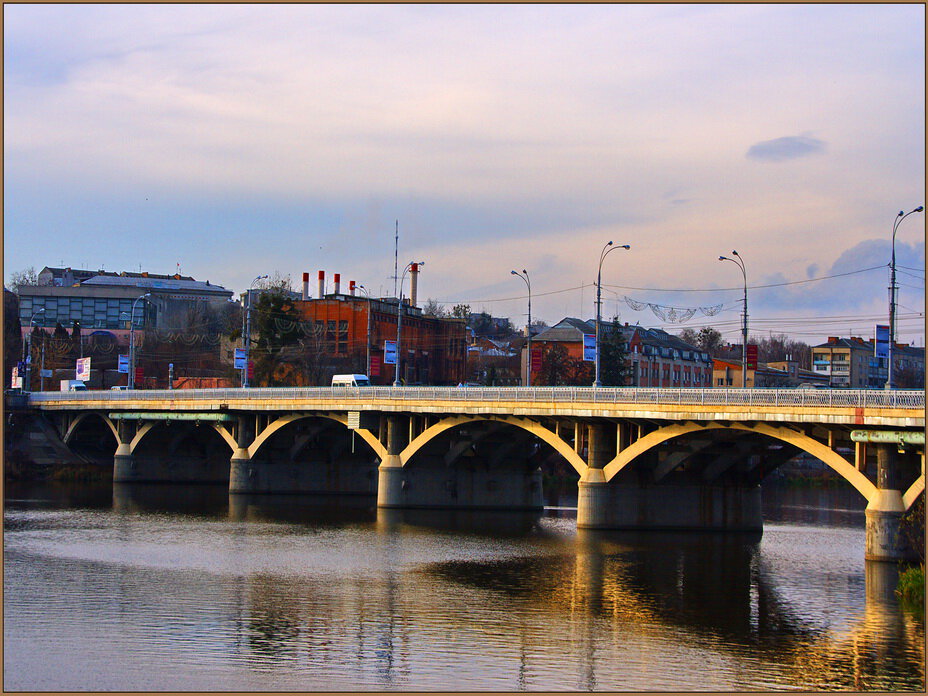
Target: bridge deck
<point>878,408</point>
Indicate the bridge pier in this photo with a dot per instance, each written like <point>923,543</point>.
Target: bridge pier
<point>124,469</point>
<point>884,512</point>
<point>242,473</point>
<point>390,473</point>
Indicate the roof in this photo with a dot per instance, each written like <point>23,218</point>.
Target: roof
<point>157,283</point>
<point>568,329</point>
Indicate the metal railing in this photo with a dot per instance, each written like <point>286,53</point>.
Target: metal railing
<point>865,398</point>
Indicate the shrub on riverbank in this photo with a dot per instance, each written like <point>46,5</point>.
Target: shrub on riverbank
<point>84,473</point>
<point>911,589</point>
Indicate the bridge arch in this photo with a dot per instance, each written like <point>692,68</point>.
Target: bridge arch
<point>285,420</point>
<point>81,417</point>
<point>834,460</point>
<point>530,426</point>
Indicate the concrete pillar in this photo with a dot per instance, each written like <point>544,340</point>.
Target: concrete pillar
<point>241,470</point>
<point>593,489</point>
<point>884,512</point>
<point>390,472</point>
<point>124,469</point>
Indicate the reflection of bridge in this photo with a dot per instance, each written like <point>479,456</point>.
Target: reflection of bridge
<point>646,458</point>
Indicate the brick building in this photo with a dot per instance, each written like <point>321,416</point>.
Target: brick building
<point>350,331</point>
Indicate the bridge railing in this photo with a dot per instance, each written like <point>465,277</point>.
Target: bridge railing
<point>864,398</point>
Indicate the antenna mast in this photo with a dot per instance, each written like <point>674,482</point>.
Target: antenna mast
<point>396,258</point>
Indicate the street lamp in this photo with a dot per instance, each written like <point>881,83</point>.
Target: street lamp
<point>524,276</point>
<point>367,294</point>
<point>599,281</point>
<point>399,321</point>
<point>132,340</point>
<point>27,353</point>
<point>892,294</point>
<point>246,331</point>
<point>744,327</point>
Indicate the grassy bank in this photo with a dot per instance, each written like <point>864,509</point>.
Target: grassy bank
<point>911,589</point>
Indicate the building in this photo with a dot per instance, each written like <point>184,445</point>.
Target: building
<point>104,300</point>
<point>659,359</point>
<point>655,357</point>
<point>348,332</point>
<point>852,363</point>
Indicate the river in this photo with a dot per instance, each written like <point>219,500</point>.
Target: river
<point>185,588</point>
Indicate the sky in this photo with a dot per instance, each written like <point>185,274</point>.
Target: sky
<point>230,141</point>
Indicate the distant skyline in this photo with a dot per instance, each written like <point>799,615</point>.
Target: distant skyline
<point>238,140</point>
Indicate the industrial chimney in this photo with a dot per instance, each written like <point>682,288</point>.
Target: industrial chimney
<point>338,283</point>
<point>413,284</point>
<point>351,287</point>
<point>321,284</point>
<point>305,286</point>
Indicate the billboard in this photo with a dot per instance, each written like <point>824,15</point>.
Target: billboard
<point>589,347</point>
<point>389,352</point>
<point>751,356</point>
<point>122,364</point>
<point>17,382</point>
<point>239,359</point>
<point>881,344</point>
<point>82,369</point>
<point>375,366</point>
<point>536,360</point>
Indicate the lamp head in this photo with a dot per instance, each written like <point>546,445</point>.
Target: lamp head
<point>919,209</point>
<point>735,252</point>
<point>610,243</point>
<point>513,273</point>
<point>901,213</point>
<point>723,258</point>
<point>626,246</point>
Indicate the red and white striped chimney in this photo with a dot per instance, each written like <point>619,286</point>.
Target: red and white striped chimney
<point>351,287</point>
<point>305,286</point>
<point>321,284</point>
<point>338,283</point>
<point>413,284</point>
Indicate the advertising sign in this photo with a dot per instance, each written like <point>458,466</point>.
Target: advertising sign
<point>46,373</point>
<point>389,352</point>
<point>239,359</point>
<point>589,347</point>
<point>375,366</point>
<point>82,369</point>
<point>752,356</point>
<point>251,369</point>
<point>17,381</point>
<point>139,375</point>
<point>122,364</point>
<point>881,345</point>
<point>536,360</point>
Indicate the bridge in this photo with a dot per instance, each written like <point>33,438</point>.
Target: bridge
<point>645,458</point>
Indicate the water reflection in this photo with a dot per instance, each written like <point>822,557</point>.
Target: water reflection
<point>330,593</point>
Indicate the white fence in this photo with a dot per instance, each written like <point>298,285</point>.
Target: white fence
<point>875,398</point>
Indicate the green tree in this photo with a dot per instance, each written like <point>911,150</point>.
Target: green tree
<point>614,369</point>
<point>276,321</point>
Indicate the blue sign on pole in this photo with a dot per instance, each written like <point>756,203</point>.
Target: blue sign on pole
<point>122,364</point>
<point>389,352</point>
<point>589,347</point>
<point>239,360</point>
<point>881,345</point>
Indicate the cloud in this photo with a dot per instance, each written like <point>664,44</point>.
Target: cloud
<point>787,148</point>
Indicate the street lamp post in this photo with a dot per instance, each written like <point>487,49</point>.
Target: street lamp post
<point>599,281</point>
<point>524,276</point>
<point>27,357</point>
<point>132,340</point>
<point>246,330</point>
<point>399,322</point>
<point>367,294</point>
<point>892,295</point>
<point>744,327</point>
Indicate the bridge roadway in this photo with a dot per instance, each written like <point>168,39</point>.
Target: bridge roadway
<point>646,458</point>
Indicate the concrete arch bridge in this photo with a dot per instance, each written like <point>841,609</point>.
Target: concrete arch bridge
<point>646,458</point>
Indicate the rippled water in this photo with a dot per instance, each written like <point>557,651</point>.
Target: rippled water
<point>187,588</point>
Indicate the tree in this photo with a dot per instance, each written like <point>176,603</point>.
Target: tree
<point>558,369</point>
<point>27,276</point>
<point>276,319</point>
<point>433,308</point>
<point>460,311</point>
<point>614,369</point>
<point>706,339</point>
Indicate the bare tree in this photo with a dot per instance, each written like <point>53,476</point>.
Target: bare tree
<point>25,277</point>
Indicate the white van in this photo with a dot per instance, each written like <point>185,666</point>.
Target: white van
<point>350,381</point>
